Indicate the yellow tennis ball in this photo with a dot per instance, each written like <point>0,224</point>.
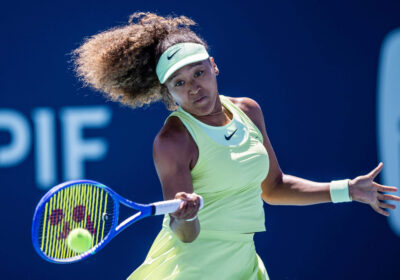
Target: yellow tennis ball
<point>79,240</point>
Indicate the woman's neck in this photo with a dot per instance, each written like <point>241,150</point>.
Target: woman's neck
<point>218,118</point>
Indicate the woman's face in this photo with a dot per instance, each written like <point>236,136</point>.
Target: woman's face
<point>194,87</point>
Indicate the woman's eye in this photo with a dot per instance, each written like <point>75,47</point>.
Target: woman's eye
<point>198,73</point>
<point>179,83</point>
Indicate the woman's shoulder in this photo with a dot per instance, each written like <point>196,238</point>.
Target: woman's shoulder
<point>249,106</point>
<point>173,139</point>
<point>173,131</point>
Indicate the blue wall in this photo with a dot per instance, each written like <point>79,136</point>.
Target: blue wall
<point>313,67</point>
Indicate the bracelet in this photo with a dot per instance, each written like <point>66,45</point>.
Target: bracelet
<point>191,219</point>
<point>339,191</point>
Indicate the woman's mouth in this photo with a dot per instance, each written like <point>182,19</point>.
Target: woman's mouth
<point>200,99</point>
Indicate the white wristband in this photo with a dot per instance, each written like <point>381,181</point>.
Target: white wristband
<point>340,191</point>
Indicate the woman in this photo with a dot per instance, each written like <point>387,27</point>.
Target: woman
<point>210,145</point>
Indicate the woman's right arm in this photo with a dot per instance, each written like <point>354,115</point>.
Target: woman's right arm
<point>172,153</point>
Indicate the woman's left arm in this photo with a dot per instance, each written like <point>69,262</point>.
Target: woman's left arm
<point>282,189</point>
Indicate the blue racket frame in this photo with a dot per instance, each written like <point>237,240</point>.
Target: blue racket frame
<point>145,210</point>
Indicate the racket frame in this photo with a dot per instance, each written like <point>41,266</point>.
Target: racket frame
<point>144,211</point>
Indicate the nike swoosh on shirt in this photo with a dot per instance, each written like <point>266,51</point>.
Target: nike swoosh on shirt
<point>170,56</point>
<point>230,136</point>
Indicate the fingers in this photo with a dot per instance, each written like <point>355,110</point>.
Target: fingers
<point>379,204</point>
<point>376,171</point>
<point>189,206</point>
<point>388,197</point>
<point>385,205</point>
<point>182,195</point>
<point>380,211</point>
<point>383,188</point>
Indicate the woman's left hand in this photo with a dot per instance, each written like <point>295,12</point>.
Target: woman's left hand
<point>364,189</point>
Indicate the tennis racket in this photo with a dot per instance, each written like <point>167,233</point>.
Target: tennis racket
<point>85,204</point>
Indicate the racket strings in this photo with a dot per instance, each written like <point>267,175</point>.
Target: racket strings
<point>78,206</point>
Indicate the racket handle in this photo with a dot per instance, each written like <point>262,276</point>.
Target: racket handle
<point>170,206</point>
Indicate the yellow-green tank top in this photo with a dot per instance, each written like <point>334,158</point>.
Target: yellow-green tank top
<point>228,177</point>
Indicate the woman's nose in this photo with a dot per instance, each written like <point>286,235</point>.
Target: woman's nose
<point>193,88</point>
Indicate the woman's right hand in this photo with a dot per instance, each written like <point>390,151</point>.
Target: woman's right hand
<point>189,206</point>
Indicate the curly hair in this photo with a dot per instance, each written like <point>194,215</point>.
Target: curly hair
<point>121,61</point>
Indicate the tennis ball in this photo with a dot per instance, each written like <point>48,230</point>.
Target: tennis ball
<point>79,240</point>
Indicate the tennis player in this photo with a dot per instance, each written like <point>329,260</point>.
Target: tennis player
<point>210,145</point>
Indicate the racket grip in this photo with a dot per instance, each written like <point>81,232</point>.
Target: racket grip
<point>170,206</point>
